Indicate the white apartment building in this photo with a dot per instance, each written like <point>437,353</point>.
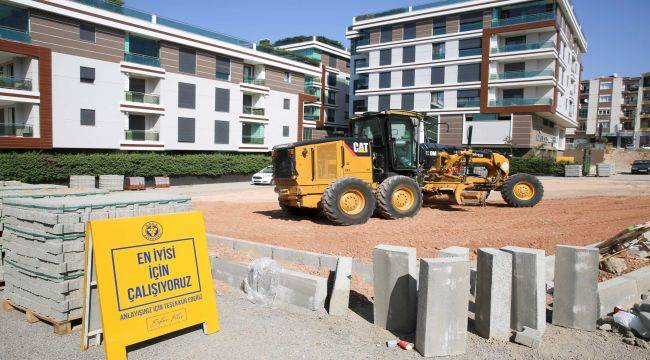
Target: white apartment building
<point>89,74</point>
<point>511,69</point>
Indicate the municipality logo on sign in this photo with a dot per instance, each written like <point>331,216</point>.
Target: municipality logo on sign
<point>152,231</point>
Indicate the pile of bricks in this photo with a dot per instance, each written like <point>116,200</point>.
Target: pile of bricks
<point>111,182</point>
<point>603,170</point>
<point>572,170</point>
<point>44,240</point>
<point>82,181</point>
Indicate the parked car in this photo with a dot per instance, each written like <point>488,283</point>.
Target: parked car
<point>641,167</point>
<point>264,176</point>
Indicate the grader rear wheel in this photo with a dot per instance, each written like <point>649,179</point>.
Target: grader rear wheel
<point>398,197</point>
<point>348,201</point>
<point>522,190</point>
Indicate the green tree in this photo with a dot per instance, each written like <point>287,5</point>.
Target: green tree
<point>117,2</point>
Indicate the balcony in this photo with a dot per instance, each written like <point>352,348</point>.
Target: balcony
<point>469,52</point>
<point>520,102</point>
<point>522,47</point>
<point>468,102</point>
<point>506,75</point>
<point>142,59</point>
<point>14,35</point>
<point>143,98</point>
<point>15,83</point>
<point>471,26</point>
<point>141,135</point>
<point>254,81</point>
<point>14,130</point>
<point>312,82</point>
<point>249,110</point>
<point>312,117</point>
<point>313,91</point>
<point>523,19</point>
<point>439,56</point>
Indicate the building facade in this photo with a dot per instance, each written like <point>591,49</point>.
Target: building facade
<point>510,69</point>
<point>330,111</point>
<point>89,74</point>
<point>614,108</point>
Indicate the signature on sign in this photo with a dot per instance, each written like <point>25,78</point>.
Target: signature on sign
<point>166,319</point>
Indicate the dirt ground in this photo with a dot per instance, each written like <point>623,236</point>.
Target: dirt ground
<point>573,212</point>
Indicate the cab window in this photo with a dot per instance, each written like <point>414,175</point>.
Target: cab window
<point>403,140</point>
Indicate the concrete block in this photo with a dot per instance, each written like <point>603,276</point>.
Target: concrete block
<point>454,251</point>
<point>340,299</point>
<point>395,285</point>
<point>253,248</point>
<point>363,270</point>
<point>619,291</point>
<point>642,278</point>
<point>304,290</point>
<point>294,256</point>
<point>493,293</point>
<point>529,337</point>
<point>329,262</point>
<point>575,297</point>
<point>472,281</point>
<point>528,288</point>
<point>443,296</point>
<point>230,272</point>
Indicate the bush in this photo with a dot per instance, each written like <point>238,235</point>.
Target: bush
<point>39,167</point>
<point>537,166</point>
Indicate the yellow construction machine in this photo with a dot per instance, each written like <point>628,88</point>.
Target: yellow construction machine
<point>382,168</point>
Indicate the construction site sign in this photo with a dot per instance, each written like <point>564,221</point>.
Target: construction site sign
<point>151,276</point>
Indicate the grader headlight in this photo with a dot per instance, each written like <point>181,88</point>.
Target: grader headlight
<point>505,166</point>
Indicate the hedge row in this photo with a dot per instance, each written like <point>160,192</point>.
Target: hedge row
<point>536,166</point>
<point>40,167</point>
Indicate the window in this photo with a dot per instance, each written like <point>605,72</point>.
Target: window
<point>287,77</point>
<point>186,96</point>
<point>87,32</point>
<point>307,133</point>
<point>386,34</point>
<point>87,117</point>
<point>408,54</point>
<point>439,26</point>
<point>285,131</point>
<point>331,97</point>
<point>471,21</point>
<point>516,40</point>
<point>409,31</point>
<point>437,100</point>
<point>223,68</point>
<point>604,111</point>
<point>186,61</point>
<point>331,79</point>
<point>359,105</point>
<point>360,63</point>
<point>384,57</point>
<point>437,75</point>
<point>468,98</point>
<point>331,115</point>
<point>332,61</point>
<point>252,133</point>
<point>469,47</point>
<point>509,94</point>
<point>186,130</point>
<point>469,72</point>
<point>438,51</point>
<point>222,100</point>
<point>408,77</point>
<point>519,67</point>
<point>384,80</point>
<point>605,98</point>
<point>361,83</point>
<point>384,102</point>
<point>221,132</point>
<point>86,75</point>
<point>287,104</point>
<point>407,101</point>
<point>606,86</point>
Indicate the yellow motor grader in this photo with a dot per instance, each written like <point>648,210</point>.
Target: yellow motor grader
<point>382,168</point>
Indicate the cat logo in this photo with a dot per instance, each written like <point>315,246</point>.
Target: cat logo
<point>360,147</point>
<point>152,231</point>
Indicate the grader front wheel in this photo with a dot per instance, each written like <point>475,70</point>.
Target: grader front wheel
<point>522,190</point>
<point>348,201</point>
<point>398,197</point>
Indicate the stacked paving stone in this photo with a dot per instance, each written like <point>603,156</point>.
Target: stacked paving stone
<point>44,239</point>
<point>82,181</point>
<point>111,182</point>
<point>603,170</point>
<point>573,170</point>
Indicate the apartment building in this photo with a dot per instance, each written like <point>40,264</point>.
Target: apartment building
<point>614,108</point>
<point>330,111</point>
<point>511,69</point>
<point>89,74</point>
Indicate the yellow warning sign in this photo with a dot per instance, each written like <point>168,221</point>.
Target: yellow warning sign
<point>153,277</point>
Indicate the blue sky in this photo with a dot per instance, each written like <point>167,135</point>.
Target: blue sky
<point>617,31</point>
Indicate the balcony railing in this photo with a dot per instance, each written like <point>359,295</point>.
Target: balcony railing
<point>469,52</point>
<point>312,82</point>
<point>141,135</point>
<point>311,117</point>
<point>15,83</point>
<point>313,91</point>
<point>523,19</point>
<point>471,26</point>
<point>522,47</point>
<point>16,130</point>
<point>249,110</point>
<point>520,102</point>
<point>254,81</point>
<point>142,59</point>
<point>468,102</point>
<point>14,35</point>
<point>438,56</point>
<point>139,97</point>
<point>252,140</point>
<point>521,74</point>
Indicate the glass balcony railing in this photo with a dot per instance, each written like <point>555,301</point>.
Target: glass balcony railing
<point>287,54</point>
<point>520,74</point>
<point>312,82</point>
<point>119,9</point>
<point>142,59</point>
<point>381,14</point>
<point>15,83</point>
<point>522,47</point>
<point>16,130</point>
<point>471,26</point>
<point>252,139</point>
<point>139,97</point>
<point>523,19</point>
<point>249,110</point>
<point>438,56</point>
<point>468,102</point>
<point>254,81</point>
<point>311,117</point>
<point>141,135</point>
<point>520,102</point>
<point>469,52</point>
<point>14,35</point>
<point>313,91</point>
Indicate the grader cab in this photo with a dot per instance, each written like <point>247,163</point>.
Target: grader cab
<point>379,170</point>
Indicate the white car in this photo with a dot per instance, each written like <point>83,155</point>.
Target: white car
<point>264,176</point>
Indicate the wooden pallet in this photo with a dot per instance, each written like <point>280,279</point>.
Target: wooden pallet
<point>61,327</point>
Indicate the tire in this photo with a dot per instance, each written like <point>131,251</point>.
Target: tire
<point>398,197</point>
<point>522,190</point>
<point>348,201</point>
